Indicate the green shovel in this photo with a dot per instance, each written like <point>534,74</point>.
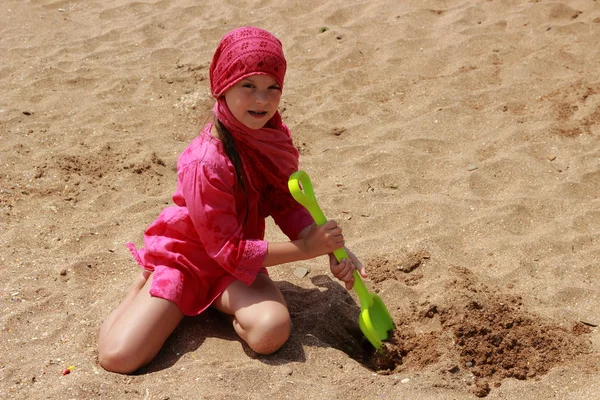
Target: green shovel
<point>374,320</point>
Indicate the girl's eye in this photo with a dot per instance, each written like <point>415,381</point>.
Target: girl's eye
<point>247,85</point>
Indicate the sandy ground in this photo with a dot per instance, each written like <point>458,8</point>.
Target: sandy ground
<point>457,142</point>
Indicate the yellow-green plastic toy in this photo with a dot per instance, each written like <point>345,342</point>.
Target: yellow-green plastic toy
<point>374,320</point>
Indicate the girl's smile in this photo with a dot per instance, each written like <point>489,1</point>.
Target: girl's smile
<point>254,100</point>
<point>258,114</point>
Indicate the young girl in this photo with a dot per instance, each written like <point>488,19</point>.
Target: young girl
<point>209,248</point>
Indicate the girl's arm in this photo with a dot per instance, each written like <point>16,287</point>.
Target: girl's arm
<point>313,241</point>
<point>283,252</point>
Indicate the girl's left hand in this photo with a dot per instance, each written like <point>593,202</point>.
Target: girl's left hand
<point>344,270</point>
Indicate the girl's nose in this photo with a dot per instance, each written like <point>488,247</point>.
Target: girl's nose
<point>261,98</point>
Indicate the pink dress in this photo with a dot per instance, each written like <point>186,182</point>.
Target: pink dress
<point>214,234</point>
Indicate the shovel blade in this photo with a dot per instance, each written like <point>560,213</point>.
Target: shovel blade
<point>375,322</point>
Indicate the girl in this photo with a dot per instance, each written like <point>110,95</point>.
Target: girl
<point>209,248</point>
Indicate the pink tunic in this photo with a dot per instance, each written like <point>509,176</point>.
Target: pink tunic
<point>214,235</point>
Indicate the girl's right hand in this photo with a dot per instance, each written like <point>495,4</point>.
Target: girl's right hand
<point>323,239</point>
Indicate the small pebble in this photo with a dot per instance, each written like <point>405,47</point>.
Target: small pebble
<point>471,167</point>
<point>454,369</point>
<point>469,364</point>
<point>551,157</point>
<point>301,272</point>
<point>405,380</point>
<point>287,370</point>
<point>592,324</point>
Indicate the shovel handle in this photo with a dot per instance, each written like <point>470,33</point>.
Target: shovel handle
<point>302,191</point>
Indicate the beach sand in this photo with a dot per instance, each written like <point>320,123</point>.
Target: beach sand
<point>456,142</point>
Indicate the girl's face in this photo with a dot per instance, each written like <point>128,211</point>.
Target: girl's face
<point>254,100</point>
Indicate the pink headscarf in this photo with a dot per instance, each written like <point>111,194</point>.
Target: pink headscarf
<point>243,52</point>
<point>268,154</point>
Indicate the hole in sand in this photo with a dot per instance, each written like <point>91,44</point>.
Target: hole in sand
<point>480,342</point>
<point>472,335</point>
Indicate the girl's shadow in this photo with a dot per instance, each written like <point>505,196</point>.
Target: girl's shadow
<point>322,316</point>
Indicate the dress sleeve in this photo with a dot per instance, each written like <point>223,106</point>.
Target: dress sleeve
<point>209,197</point>
<point>290,216</point>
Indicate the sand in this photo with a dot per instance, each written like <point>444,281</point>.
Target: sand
<point>457,143</point>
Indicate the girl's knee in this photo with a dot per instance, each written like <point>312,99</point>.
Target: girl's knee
<point>119,359</point>
<point>270,332</point>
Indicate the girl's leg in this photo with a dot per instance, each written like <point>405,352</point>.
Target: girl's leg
<point>139,283</point>
<point>135,332</point>
<point>259,313</point>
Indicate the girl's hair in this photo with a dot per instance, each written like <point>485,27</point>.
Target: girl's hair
<point>234,157</point>
<point>232,154</point>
